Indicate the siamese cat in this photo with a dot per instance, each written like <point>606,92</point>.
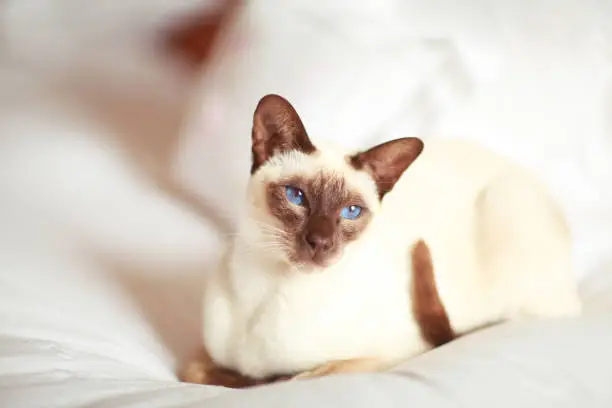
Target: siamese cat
<point>354,261</point>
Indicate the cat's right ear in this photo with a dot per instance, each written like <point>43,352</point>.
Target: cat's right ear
<point>387,162</point>
<point>277,128</point>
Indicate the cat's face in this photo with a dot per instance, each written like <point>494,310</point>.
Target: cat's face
<point>308,203</point>
<point>316,213</point>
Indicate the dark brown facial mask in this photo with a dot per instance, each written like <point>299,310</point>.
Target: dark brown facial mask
<point>316,229</point>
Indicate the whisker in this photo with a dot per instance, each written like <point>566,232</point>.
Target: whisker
<point>270,228</point>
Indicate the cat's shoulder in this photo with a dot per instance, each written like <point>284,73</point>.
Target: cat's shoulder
<point>461,157</point>
<point>462,149</point>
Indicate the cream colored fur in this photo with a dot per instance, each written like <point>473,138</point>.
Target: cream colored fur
<point>501,250</point>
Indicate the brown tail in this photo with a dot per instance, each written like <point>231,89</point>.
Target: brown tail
<point>427,306</point>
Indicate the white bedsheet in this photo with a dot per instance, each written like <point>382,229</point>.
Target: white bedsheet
<point>101,269</point>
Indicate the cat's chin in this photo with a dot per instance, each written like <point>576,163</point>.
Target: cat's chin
<point>320,265</point>
<point>309,268</point>
<point>313,266</point>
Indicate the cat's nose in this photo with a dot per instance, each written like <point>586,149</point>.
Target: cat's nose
<point>318,242</point>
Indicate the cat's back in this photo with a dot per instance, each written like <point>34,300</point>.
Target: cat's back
<point>443,183</point>
<point>472,205</point>
<point>450,164</point>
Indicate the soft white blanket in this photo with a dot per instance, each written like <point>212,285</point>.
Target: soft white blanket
<point>103,245</point>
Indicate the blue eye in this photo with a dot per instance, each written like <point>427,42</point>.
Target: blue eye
<point>295,195</point>
<point>351,212</point>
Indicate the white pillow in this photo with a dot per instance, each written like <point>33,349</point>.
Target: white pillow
<point>517,77</point>
<point>347,70</point>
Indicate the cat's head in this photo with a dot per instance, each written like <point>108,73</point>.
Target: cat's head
<point>307,202</point>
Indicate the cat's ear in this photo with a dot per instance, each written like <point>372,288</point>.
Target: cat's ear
<point>277,128</point>
<point>387,162</point>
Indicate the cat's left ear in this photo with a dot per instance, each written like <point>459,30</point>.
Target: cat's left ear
<point>387,162</point>
<point>277,128</point>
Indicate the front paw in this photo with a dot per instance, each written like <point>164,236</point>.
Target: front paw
<point>196,372</point>
<point>320,371</point>
<point>204,371</point>
<point>358,365</point>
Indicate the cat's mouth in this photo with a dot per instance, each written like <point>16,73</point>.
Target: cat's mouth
<point>309,261</point>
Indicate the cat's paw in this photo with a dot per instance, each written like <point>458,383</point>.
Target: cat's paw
<point>196,372</point>
<point>332,367</point>
<point>359,365</point>
<point>204,371</point>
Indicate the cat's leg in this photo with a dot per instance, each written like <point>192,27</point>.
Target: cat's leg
<point>358,365</point>
<point>526,246</point>
<point>203,370</point>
